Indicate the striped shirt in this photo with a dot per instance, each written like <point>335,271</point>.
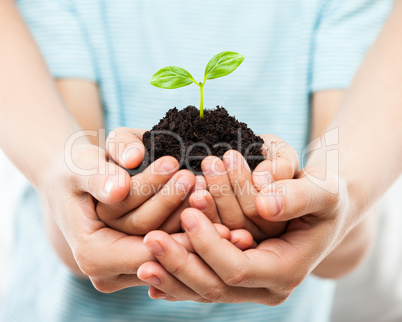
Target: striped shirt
<point>292,47</point>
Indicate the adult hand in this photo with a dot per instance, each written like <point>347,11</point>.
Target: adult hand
<point>108,257</point>
<point>267,274</point>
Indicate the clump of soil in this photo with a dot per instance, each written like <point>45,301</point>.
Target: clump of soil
<point>183,135</point>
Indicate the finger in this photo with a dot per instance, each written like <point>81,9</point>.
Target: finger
<point>230,212</point>
<point>206,203</point>
<point>200,183</point>
<point>219,187</point>
<point>108,252</point>
<point>156,294</point>
<point>241,238</point>
<point>282,162</point>
<point>172,223</point>
<point>142,187</point>
<point>239,174</point>
<point>251,268</point>
<point>289,199</point>
<point>195,274</point>
<point>125,147</point>
<point>108,279</point>
<point>104,180</point>
<point>117,283</point>
<point>203,200</point>
<point>223,231</point>
<point>151,214</point>
<point>154,274</point>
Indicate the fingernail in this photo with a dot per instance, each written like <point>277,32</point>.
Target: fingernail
<point>262,179</point>
<point>130,154</point>
<point>213,167</point>
<point>189,222</point>
<point>184,183</point>
<point>155,248</point>
<point>273,203</point>
<point>231,160</point>
<point>152,279</point>
<point>111,182</point>
<point>161,297</point>
<point>168,166</point>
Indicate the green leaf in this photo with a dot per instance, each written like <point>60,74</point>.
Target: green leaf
<point>172,77</point>
<point>222,64</point>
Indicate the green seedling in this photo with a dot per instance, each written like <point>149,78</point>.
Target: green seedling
<point>220,65</point>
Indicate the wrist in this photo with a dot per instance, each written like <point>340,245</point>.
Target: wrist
<point>61,163</point>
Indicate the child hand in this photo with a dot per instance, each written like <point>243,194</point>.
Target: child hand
<point>234,189</point>
<point>157,195</point>
<point>108,257</point>
<point>154,194</point>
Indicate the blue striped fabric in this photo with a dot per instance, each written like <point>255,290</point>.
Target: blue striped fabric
<point>292,48</point>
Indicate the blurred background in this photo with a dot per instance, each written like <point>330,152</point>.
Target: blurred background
<point>371,293</point>
<point>11,183</point>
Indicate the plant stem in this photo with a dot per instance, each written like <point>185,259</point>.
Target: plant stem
<point>202,100</point>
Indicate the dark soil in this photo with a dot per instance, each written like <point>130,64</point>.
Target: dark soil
<point>215,134</point>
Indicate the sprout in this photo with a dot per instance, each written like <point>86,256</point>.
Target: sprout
<point>220,65</point>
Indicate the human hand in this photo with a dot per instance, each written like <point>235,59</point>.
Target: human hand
<point>268,274</point>
<point>108,257</point>
<point>232,188</point>
<point>155,193</point>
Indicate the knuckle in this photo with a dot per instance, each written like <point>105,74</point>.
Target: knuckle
<point>170,201</point>
<point>215,190</point>
<point>124,206</point>
<point>179,265</point>
<point>237,222</point>
<point>87,266</point>
<point>240,185</point>
<point>104,285</point>
<point>145,180</point>
<point>214,294</point>
<point>174,268</point>
<point>202,300</point>
<point>141,226</point>
<point>249,209</point>
<point>88,263</point>
<point>277,299</point>
<point>288,169</point>
<point>238,278</point>
<point>292,281</point>
<point>203,248</point>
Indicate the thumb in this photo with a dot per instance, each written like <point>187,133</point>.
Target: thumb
<point>105,181</point>
<point>125,147</point>
<point>281,162</point>
<point>289,199</point>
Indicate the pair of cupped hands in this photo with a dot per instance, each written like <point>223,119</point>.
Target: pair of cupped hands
<point>229,235</point>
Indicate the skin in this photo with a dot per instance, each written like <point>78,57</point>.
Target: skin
<point>319,220</point>
<point>191,271</point>
<point>226,176</point>
<point>91,249</point>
